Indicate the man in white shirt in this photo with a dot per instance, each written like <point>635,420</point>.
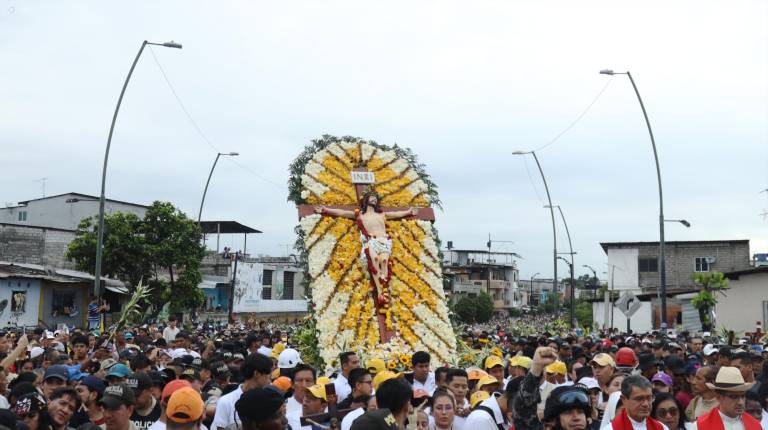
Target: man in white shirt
<point>264,348</point>
<point>349,360</point>
<point>422,378</point>
<point>170,332</point>
<point>256,371</point>
<point>303,377</point>
<point>637,398</point>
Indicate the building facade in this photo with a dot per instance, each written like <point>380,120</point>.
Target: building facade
<point>470,272</point>
<point>745,303</point>
<point>63,211</point>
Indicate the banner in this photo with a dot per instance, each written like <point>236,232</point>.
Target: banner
<point>248,285</point>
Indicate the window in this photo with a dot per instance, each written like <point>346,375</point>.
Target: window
<point>267,278</point>
<point>701,264</point>
<point>288,285</point>
<point>648,264</point>
<point>22,216</point>
<point>63,303</point>
<point>266,292</point>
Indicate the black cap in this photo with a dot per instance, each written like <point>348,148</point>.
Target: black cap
<point>675,364</point>
<point>58,371</point>
<point>116,395</point>
<point>380,419</point>
<point>219,369</point>
<point>139,382</point>
<point>646,360</point>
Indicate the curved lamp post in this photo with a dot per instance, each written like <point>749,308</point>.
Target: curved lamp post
<point>554,230</point>
<point>570,247</point>
<point>663,266</point>
<point>205,191</point>
<point>100,240</point>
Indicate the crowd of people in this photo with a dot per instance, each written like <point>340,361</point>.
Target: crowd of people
<point>158,377</point>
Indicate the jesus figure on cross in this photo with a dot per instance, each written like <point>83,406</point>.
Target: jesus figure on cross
<point>376,245</point>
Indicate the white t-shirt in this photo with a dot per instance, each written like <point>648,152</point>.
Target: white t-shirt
<point>482,420</point>
<point>429,385</point>
<point>159,425</point>
<point>292,405</point>
<point>346,423</point>
<point>225,410</point>
<point>169,334</point>
<point>343,390</point>
<point>264,350</point>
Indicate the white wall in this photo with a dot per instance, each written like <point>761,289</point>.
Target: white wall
<point>744,304</point>
<point>623,264</point>
<point>31,308</point>
<point>641,320</point>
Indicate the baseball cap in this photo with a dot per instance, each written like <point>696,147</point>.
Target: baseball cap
<point>487,380</point>
<point>675,364</point>
<point>475,374</point>
<point>493,361</point>
<point>219,369</point>
<point>380,378</point>
<point>375,365</point>
<point>603,359</point>
<point>709,349</point>
<point>520,361</point>
<point>318,391</point>
<point>36,352</point>
<point>107,363</point>
<point>589,382</point>
<point>94,384</point>
<point>139,382</point>
<point>185,406</point>
<point>663,378</point>
<point>118,370</point>
<point>116,395</point>
<point>268,398</point>
<point>556,367</point>
<point>283,383</point>
<point>58,371</point>
<point>190,374</point>
<point>172,386</point>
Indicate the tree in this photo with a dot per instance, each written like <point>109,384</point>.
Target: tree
<point>165,241</point>
<point>583,313</point>
<point>706,299</point>
<point>484,307</point>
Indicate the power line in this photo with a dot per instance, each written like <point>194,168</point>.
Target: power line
<point>533,184</point>
<point>578,118</point>
<point>199,130</point>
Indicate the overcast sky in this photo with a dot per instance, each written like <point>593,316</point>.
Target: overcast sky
<point>461,83</point>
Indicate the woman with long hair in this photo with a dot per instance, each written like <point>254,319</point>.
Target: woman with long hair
<point>668,410</point>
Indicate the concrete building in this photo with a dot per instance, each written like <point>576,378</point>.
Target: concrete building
<point>634,266</point>
<point>542,290</point>
<point>496,273</point>
<point>745,303</point>
<point>63,211</point>
<point>44,246</point>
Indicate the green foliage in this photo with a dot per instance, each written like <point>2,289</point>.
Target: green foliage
<point>515,313</point>
<point>131,313</point>
<point>136,250</point>
<point>305,339</point>
<point>711,283</point>
<point>583,311</point>
<point>474,309</point>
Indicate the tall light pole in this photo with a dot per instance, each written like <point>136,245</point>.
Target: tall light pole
<point>205,191</point>
<point>663,265</point>
<point>570,247</point>
<point>572,295</point>
<point>100,234</point>
<point>554,229</point>
<point>594,273</point>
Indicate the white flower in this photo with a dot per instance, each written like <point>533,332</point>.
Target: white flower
<point>314,168</point>
<point>367,151</point>
<point>336,150</point>
<point>399,166</point>
<point>417,187</point>
<point>386,156</point>
<point>313,186</point>
<point>320,254</point>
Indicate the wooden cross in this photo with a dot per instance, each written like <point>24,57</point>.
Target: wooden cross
<point>363,179</point>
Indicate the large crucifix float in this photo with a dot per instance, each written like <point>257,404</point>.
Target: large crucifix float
<point>372,252</point>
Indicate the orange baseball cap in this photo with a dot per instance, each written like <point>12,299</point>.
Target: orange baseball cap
<point>283,383</point>
<point>172,386</point>
<point>476,374</point>
<point>185,406</point>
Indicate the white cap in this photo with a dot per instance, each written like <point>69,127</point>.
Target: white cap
<point>590,382</point>
<point>36,352</point>
<point>709,349</point>
<point>48,335</point>
<point>58,346</point>
<point>288,359</point>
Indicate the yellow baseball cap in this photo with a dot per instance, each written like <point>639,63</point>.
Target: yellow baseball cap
<point>603,359</point>
<point>477,397</point>
<point>382,376</point>
<point>318,391</point>
<point>556,367</point>
<point>487,380</point>
<point>520,361</point>
<point>476,374</point>
<point>376,365</point>
<point>493,361</point>
<point>323,380</point>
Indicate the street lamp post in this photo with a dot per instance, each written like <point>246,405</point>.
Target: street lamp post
<point>663,265</point>
<point>594,273</point>
<point>554,230</point>
<point>100,234</point>
<point>205,191</point>
<point>570,247</point>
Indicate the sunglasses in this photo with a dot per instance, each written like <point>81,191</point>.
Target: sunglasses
<point>664,412</point>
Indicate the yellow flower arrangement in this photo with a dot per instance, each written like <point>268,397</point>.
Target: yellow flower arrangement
<point>341,289</point>
<point>392,365</point>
